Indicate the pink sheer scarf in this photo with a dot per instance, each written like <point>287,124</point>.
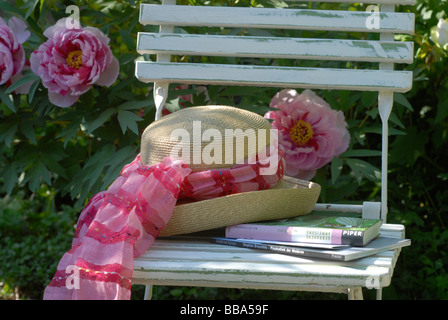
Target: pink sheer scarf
<point>121,223</point>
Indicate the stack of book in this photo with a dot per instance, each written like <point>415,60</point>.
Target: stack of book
<point>314,236</point>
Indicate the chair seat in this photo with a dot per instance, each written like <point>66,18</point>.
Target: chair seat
<point>200,263</point>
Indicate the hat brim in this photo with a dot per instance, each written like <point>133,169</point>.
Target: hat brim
<point>290,197</point>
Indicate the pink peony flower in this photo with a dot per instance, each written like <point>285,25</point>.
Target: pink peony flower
<point>310,132</point>
<point>12,55</point>
<point>72,60</point>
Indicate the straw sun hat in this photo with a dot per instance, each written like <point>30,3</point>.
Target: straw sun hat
<point>190,128</point>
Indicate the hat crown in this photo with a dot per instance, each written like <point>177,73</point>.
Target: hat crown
<point>206,137</point>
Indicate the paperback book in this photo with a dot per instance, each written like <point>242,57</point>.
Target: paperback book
<point>350,231</point>
<point>346,253</point>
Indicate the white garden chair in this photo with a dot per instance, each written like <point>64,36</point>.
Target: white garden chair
<point>190,263</point>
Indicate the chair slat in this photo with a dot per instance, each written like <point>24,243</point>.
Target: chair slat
<point>234,17</point>
<point>267,47</point>
<point>169,262</point>
<point>352,79</point>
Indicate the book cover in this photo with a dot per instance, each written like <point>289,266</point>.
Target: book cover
<point>344,254</point>
<point>311,228</point>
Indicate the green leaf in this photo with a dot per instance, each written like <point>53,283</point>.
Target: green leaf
<point>408,148</point>
<point>442,106</point>
<point>95,165</point>
<point>10,177</point>
<point>35,29</point>
<point>442,111</point>
<point>341,191</point>
<point>321,179</point>
<point>128,38</point>
<point>37,174</point>
<point>173,105</point>
<point>336,167</point>
<point>369,98</point>
<point>5,6</point>
<point>32,91</point>
<point>394,119</point>
<point>228,91</point>
<point>127,119</point>
<point>116,163</point>
<point>30,77</point>
<point>360,153</point>
<point>401,99</point>
<point>377,128</point>
<point>51,163</point>
<point>31,6</point>
<point>7,132</point>
<point>135,104</point>
<point>84,179</point>
<point>7,99</point>
<point>70,130</point>
<point>362,168</point>
<point>28,131</point>
<point>102,118</point>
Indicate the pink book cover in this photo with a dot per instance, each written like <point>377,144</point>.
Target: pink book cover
<point>284,233</point>
<point>315,229</point>
<point>259,232</point>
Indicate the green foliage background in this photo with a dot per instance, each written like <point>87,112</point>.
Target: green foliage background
<point>52,159</point>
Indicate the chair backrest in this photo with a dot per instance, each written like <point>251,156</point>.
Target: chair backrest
<point>384,52</point>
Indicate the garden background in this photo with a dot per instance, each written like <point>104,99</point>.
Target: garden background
<point>53,159</point>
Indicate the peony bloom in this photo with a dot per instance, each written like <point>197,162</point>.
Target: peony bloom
<point>439,34</point>
<point>72,60</point>
<point>12,55</point>
<point>310,132</point>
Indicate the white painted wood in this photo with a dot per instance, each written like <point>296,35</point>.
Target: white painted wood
<point>354,208</point>
<point>148,292</point>
<point>350,21</point>
<point>199,263</point>
<point>271,47</point>
<point>160,91</point>
<point>385,104</point>
<point>368,210</point>
<point>371,210</point>
<point>355,293</point>
<point>285,77</point>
